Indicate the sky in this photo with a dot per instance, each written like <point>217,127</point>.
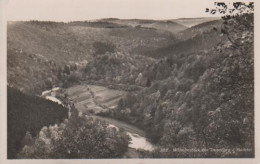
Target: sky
<point>77,10</point>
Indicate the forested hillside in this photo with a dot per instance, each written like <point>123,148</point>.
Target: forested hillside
<point>74,41</point>
<point>116,68</point>
<point>202,100</point>
<point>42,54</point>
<point>194,39</point>
<point>29,114</point>
<point>51,40</point>
<point>34,73</point>
<point>200,29</point>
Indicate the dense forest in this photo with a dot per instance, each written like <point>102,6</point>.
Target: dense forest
<point>27,113</point>
<point>39,128</point>
<point>40,53</point>
<point>76,137</point>
<point>116,68</point>
<point>199,100</point>
<point>34,73</point>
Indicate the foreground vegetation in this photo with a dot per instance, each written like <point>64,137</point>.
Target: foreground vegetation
<point>28,113</point>
<point>39,128</point>
<point>77,137</point>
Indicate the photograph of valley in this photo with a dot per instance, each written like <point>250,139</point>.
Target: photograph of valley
<point>113,86</point>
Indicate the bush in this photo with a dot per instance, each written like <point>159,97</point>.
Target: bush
<point>78,137</point>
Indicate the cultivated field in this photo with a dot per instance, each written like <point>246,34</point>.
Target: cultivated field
<point>93,98</point>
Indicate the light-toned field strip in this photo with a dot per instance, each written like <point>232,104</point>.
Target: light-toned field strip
<point>90,97</point>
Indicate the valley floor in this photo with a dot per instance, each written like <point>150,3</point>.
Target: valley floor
<point>92,99</point>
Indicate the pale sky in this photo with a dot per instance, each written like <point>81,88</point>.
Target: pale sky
<point>73,10</point>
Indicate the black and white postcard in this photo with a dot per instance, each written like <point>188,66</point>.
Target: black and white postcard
<point>142,81</point>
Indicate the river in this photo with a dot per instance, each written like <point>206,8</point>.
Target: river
<point>50,95</point>
<point>138,140</point>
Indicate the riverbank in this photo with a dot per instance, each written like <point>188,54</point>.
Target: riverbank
<point>93,97</point>
<point>138,140</point>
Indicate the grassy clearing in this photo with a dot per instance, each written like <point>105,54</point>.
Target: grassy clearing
<point>92,98</point>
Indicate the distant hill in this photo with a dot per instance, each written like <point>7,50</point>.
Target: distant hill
<point>189,22</point>
<point>201,37</point>
<point>167,25</point>
<point>170,26</point>
<point>98,24</point>
<point>200,29</point>
<point>64,42</point>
